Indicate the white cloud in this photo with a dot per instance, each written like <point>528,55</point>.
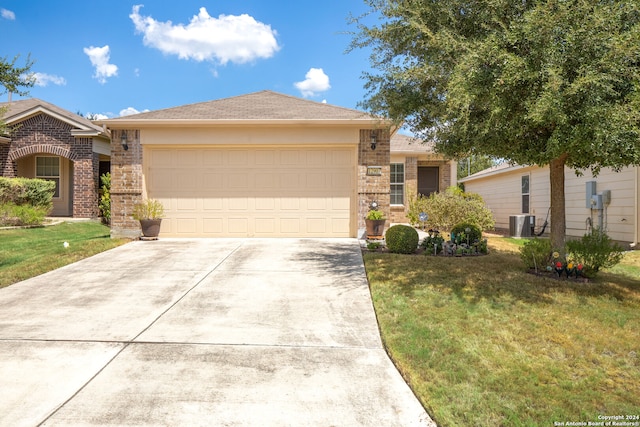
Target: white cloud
<point>227,38</point>
<point>99,57</point>
<point>130,111</point>
<point>43,79</point>
<point>315,81</point>
<point>98,116</point>
<point>7,14</point>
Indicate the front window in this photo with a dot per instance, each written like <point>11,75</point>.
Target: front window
<point>49,168</point>
<point>397,183</point>
<point>525,194</point>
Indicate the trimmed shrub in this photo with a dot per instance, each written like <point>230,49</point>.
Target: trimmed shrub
<point>459,234</point>
<point>536,253</point>
<point>105,197</point>
<point>27,191</point>
<point>449,208</point>
<point>25,201</point>
<point>402,239</point>
<point>16,215</point>
<point>594,250</point>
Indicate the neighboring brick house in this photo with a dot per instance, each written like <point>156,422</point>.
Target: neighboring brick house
<point>416,169</point>
<point>51,143</point>
<point>258,165</point>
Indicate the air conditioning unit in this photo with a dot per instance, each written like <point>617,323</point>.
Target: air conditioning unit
<point>522,225</point>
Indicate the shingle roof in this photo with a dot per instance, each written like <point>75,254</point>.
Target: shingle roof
<point>408,144</point>
<point>259,106</point>
<point>21,109</point>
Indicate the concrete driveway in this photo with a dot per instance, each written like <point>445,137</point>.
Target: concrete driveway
<point>201,332</point>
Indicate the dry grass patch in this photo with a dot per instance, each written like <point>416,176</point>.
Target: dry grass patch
<point>482,342</point>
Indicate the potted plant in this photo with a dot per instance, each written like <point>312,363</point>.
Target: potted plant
<point>149,212</point>
<point>375,223</point>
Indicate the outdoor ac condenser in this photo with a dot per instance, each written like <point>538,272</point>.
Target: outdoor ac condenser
<point>522,225</point>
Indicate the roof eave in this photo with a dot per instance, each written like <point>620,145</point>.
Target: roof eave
<point>87,133</point>
<point>40,109</point>
<point>120,123</point>
<point>488,173</point>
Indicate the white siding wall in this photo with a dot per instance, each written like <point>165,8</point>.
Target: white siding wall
<point>502,194</point>
<point>620,215</point>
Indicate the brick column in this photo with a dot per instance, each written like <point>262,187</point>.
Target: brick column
<point>85,196</point>
<point>8,168</point>
<point>126,183</point>
<point>373,188</point>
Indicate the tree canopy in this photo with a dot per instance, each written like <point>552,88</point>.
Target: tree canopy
<point>550,82</point>
<point>12,79</point>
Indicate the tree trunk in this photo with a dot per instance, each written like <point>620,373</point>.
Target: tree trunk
<point>558,220</point>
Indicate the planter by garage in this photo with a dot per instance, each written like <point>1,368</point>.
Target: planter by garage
<point>375,228</point>
<point>150,227</point>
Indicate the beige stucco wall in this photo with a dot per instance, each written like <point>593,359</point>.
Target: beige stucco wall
<point>502,194</point>
<point>251,135</point>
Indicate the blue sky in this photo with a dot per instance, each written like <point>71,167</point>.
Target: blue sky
<point>120,57</point>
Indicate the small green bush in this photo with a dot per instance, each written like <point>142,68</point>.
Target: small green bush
<point>594,250</point>
<point>402,239</point>
<point>23,191</point>
<point>375,215</point>
<point>105,197</point>
<point>536,253</point>
<point>25,201</point>
<point>148,209</point>
<point>17,215</point>
<point>451,207</point>
<point>433,243</point>
<point>459,233</point>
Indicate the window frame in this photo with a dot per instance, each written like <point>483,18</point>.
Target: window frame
<point>50,177</point>
<point>398,186</point>
<point>525,193</point>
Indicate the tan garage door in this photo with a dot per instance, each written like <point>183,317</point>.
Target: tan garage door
<point>253,191</point>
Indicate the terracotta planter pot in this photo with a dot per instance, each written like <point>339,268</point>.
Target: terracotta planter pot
<point>150,227</point>
<point>375,227</point>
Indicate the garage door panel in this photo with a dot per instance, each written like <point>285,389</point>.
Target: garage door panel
<point>186,204</point>
<point>187,159</point>
<point>238,158</point>
<point>290,226</point>
<point>212,158</point>
<point>269,192</point>
<point>212,225</point>
<point>162,158</point>
<point>238,225</point>
<point>214,181</point>
<point>212,204</point>
<point>264,204</point>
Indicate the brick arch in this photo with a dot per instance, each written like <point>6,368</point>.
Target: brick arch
<point>42,148</point>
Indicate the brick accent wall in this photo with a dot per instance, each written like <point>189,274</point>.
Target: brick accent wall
<point>373,188</point>
<point>399,213</point>
<point>126,183</point>
<point>45,134</point>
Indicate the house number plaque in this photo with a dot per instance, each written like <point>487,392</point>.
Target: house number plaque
<point>374,170</point>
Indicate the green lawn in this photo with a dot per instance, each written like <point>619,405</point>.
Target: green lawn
<point>29,252</point>
<point>483,343</point>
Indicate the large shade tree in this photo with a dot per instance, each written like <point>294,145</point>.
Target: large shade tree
<point>549,82</point>
<point>15,80</point>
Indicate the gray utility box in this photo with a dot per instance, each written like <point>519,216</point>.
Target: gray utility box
<point>522,225</point>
